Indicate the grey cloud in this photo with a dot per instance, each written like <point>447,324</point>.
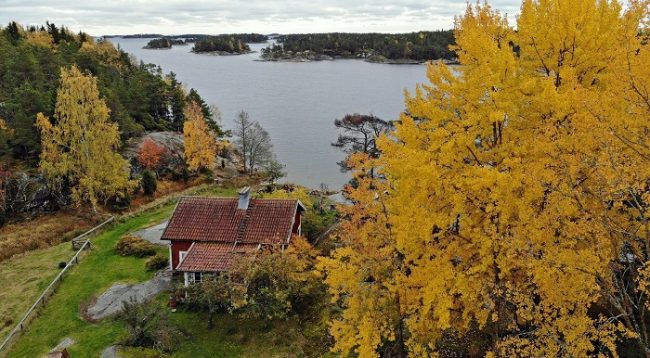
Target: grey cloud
<point>176,16</point>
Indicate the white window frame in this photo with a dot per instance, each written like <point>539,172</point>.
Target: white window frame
<point>181,257</point>
<point>191,277</point>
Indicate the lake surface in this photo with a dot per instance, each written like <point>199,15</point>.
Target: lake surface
<point>296,103</point>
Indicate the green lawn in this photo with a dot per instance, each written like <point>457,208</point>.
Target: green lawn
<point>96,272</point>
<point>24,277</point>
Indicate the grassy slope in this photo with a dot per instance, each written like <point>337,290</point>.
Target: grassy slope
<point>100,268</point>
<point>24,277</point>
<point>96,272</point>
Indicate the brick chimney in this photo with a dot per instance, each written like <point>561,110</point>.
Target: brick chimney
<point>244,198</point>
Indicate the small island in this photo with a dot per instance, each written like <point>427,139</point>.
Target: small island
<point>163,43</point>
<point>233,44</point>
<point>409,48</point>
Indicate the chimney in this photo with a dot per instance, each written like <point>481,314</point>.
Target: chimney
<point>244,198</point>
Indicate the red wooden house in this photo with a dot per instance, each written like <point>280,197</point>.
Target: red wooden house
<point>207,233</point>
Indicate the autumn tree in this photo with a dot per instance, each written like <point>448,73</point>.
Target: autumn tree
<point>151,154</point>
<point>516,193</point>
<point>200,141</point>
<point>79,150</point>
<point>214,295</point>
<point>280,283</point>
<point>359,134</point>
<point>253,142</point>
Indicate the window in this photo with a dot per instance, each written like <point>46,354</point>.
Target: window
<point>181,256</point>
<point>197,277</point>
<point>193,277</point>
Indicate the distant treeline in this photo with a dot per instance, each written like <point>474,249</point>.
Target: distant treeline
<point>418,46</point>
<point>235,43</point>
<point>250,38</point>
<point>140,97</point>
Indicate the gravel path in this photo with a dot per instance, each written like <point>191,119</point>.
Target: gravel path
<point>110,302</point>
<point>153,234</point>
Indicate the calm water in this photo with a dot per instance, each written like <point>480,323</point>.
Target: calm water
<point>296,102</point>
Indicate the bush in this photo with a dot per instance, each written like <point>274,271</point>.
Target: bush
<point>119,202</point>
<point>134,246</point>
<point>148,326</point>
<point>156,263</point>
<point>149,183</point>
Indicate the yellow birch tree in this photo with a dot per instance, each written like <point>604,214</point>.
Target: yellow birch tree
<point>516,191</point>
<point>200,142</point>
<point>79,148</point>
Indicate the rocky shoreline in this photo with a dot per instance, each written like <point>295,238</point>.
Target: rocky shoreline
<point>222,53</point>
<point>313,57</point>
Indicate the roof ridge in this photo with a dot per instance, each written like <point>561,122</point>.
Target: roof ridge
<point>244,223</point>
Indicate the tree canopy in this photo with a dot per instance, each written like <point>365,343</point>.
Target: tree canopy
<point>140,97</point>
<point>515,204</point>
<point>253,142</point>
<point>200,141</point>
<point>223,43</point>
<point>79,147</point>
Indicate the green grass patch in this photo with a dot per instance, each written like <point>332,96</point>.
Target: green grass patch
<point>96,272</point>
<point>24,278</point>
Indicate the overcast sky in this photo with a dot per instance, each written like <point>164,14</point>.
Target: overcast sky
<point>229,16</point>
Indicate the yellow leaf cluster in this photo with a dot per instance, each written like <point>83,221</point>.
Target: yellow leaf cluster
<point>200,142</point>
<point>79,150</point>
<point>39,38</point>
<point>512,190</point>
<point>104,51</point>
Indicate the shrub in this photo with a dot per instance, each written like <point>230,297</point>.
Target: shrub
<point>134,246</point>
<point>149,183</point>
<point>157,262</point>
<point>148,326</point>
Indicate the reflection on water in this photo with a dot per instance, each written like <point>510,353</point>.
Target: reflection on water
<point>296,102</point>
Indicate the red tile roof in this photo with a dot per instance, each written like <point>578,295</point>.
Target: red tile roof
<point>267,221</point>
<point>213,256</point>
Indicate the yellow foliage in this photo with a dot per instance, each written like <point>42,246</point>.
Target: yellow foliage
<point>104,51</point>
<point>514,187</point>
<point>80,149</point>
<point>200,142</point>
<point>40,38</point>
<point>299,193</point>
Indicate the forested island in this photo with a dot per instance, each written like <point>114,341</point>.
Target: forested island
<point>415,47</point>
<point>233,44</point>
<point>164,43</point>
